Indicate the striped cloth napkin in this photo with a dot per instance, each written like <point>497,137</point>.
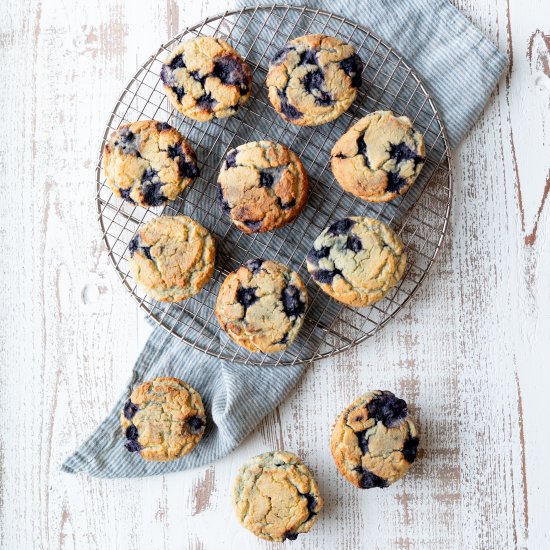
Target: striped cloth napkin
<point>460,67</point>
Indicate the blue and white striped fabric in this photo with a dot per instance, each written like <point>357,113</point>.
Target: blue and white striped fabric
<point>461,68</point>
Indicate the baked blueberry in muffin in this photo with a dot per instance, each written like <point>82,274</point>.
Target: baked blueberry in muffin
<point>205,78</point>
<point>262,186</point>
<point>314,79</point>
<point>374,441</point>
<point>148,163</point>
<point>262,305</point>
<point>379,157</point>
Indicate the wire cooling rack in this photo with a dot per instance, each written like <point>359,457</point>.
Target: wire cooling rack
<point>420,216</point>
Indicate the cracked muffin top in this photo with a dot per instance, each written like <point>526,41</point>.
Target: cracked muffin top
<point>163,420</point>
<point>205,78</point>
<point>276,497</point>
<point>172,257</point>
<point>148,163</point>
<point>357,260</point>
<point>314,79</point>
<point>262,306</point>
<point>374,440</point>
<point>379,157</point>
<point>262,186</point>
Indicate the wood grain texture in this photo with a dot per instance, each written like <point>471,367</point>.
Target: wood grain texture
<point>470,353</point>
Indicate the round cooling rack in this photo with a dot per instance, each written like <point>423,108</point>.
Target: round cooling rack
<point>420,216</point>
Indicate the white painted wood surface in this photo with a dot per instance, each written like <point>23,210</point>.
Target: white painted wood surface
<point>471,353</point>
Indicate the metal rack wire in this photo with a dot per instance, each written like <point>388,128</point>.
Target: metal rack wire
<point>420,216</point>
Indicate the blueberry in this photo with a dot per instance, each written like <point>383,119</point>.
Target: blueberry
<point>130,409</point>
<point>362,148</point>
<point>325,276</point>
<point>224,205</point>
<point>286,108</point>
<point>161,126</point>
<point>246,297</point>
<point>254,265</point>
<point>280,56</point>
<point>313,82</point>
<point>311,502</point>
<point>313,256</point>
<point>292,301</point>
<point>283,340</point>
<point>354,243</point>
<point>153,195</point>
<point>179,91</point>
<point>402,152</point>
<point>126,136</point>
<point>287,205</point>
<point>177,63</point>
<point>395,182</point>
<point>196,76</point>
<point>125,194</point>
<point>149,175</point>
<point>133,245</point>
<point>363,441</point>
<point>369,480</point>
<point>309,57</point>
<point>353,67</point>
<point>253,225</point>
<point>206,102</point>
<point>231,71</point>
<point>187,169</point>
<point>132,433</point>
<point>290,535</point>
<point>231,159</point>
<point>409,449</point>
<point>133,446</point>
<point>341,226</point>
<point>388,409</point>
<point>266,179</point>
<point>166,75</point>
<point>195,423</point>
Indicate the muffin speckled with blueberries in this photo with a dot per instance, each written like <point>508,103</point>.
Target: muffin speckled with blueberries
<point>205,78</point>
<point>262,306</point>
<point>148,163</point>
<point>379,157</point>
<point>276,497</point>
<point>374,440</point>
<point>262,186</point>
<point>357,260</point>
<point>172,257</point>
<point>314,79</point>
<point>163,420</point>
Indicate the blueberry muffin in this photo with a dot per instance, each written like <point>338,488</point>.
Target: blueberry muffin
<point>262,186</point>
<point>163,420</point>
<point>262,306</point>
<point>374,440</point>
<point>205,78</point>
<point>379,157</point>
<point>314,79</point>
<point>357,260</point>
<point>172,258</point>
<point>148,163</point>
<point>276,497</point>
